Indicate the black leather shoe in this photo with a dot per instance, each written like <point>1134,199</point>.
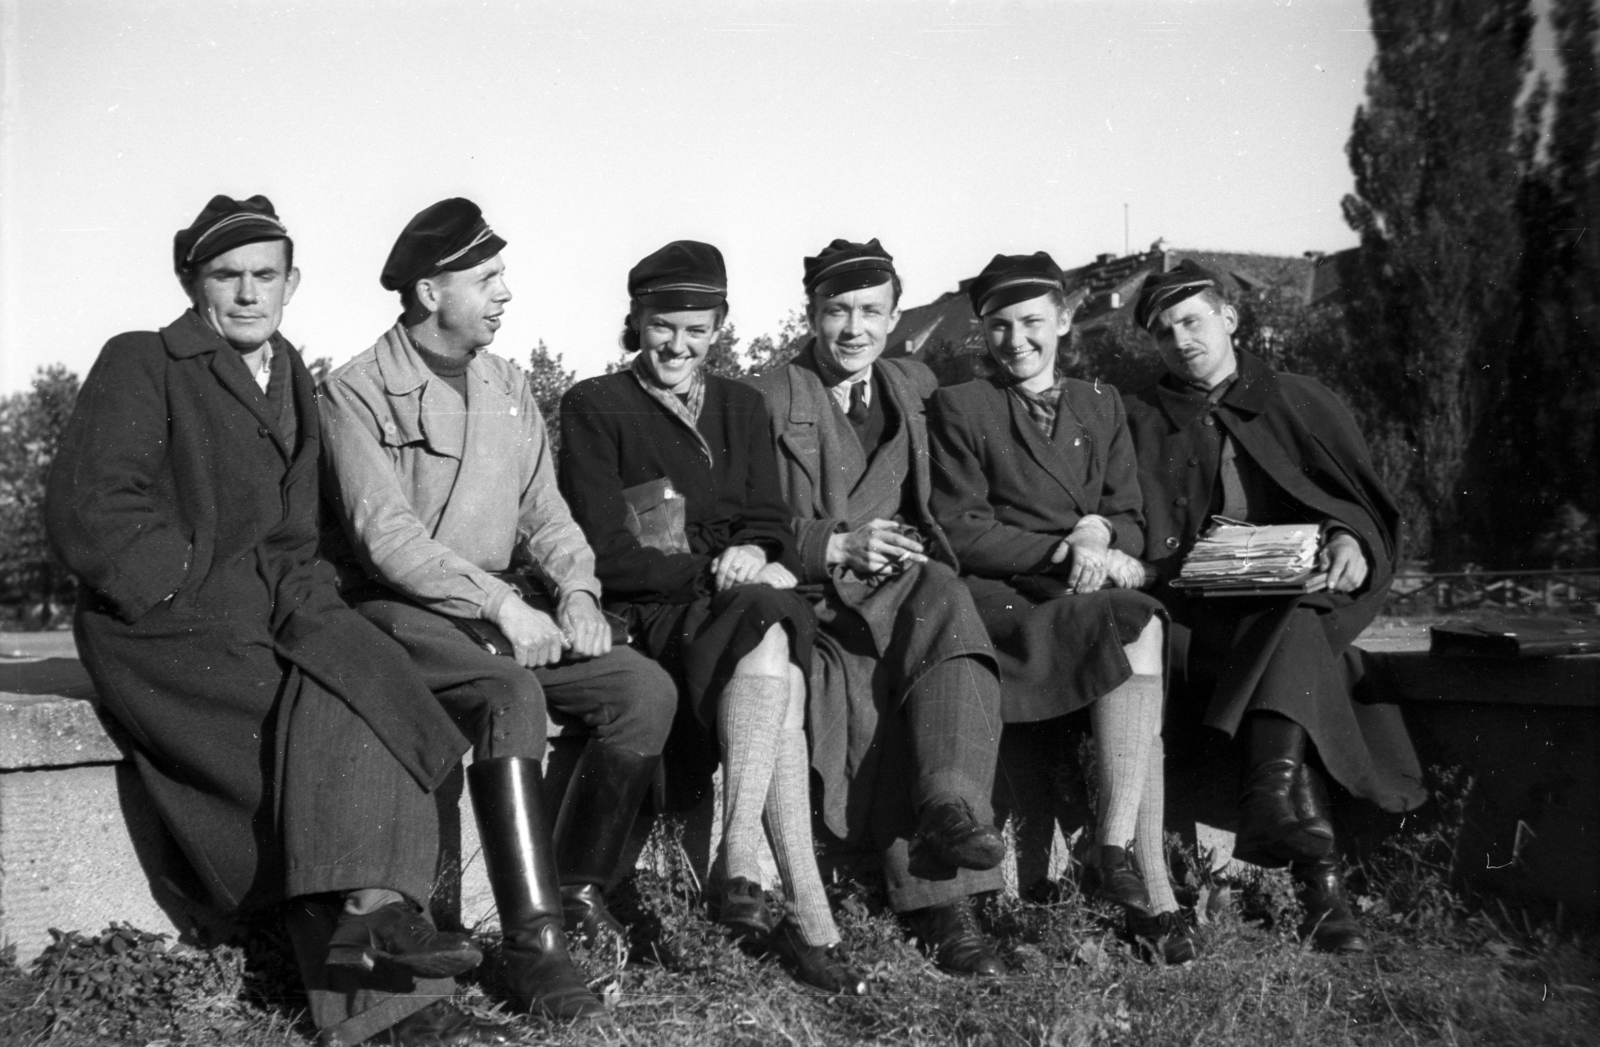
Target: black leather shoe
<point>399,935</point>
<point>1278,825</point>
<point>819,966</point>
<point>951,935</point>
<point>540,977</point>
<point>441,1025</point>
<point>1165,937</point>
<point>949,833</point>
<point>583,910</point>
<point>1120,882</point>
<point>1329,922</point>
<point>742,908</point>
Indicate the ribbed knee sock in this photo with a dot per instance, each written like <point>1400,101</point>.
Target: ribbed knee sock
<point>788,814</point>
<point>1149,848</point>
<point>749,716</point>
<point>1126,722</point>
<point>953,716</point>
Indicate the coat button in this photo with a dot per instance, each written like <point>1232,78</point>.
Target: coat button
<point>1172,543</point>
<point>1180,502</point>
<point>261,431</point>
<point>1210,420</point>
<point>1194,461</point>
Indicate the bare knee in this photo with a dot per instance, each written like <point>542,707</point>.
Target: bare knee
<point>1145,655</point>
<point>769,658</point>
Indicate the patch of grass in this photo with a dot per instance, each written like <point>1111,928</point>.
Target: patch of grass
<point>1440,972</point>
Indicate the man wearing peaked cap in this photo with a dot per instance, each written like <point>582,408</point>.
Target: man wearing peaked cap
<point>898,630</point>
<point>185,498</point>
<point>458,544</point>
<point>1222,433</point>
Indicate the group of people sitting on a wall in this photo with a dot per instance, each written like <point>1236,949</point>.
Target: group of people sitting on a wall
<point>841,583</point>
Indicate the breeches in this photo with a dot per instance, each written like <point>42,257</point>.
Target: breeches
<point>622,697</point>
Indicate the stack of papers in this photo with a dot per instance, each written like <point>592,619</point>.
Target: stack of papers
<point>1240,559</point>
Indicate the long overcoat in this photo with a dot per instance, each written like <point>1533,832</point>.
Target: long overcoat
<point>1006,496</point>
<point>204,610</point>
<point>1282,655</point>
<point>913,619</point>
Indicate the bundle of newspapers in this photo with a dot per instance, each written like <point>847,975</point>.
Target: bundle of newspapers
<point>1240,559</point>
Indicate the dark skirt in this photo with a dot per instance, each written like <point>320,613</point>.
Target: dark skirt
<point>1058,655</point>
<point>700,643</point>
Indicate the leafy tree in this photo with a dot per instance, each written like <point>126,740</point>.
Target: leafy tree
<point>31,425</point>
<point>1436,181</point>
<point>766,352</point>
<point>549,381</point>
<point>723,356</point>
<point>1540,452</point>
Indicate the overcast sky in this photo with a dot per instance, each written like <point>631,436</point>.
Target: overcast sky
<point>593,133</point>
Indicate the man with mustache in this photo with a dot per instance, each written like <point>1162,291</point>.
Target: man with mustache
<point>1222,434</point>
<point>259,707</point>
<point>905,703</point>
<point>441,473</point>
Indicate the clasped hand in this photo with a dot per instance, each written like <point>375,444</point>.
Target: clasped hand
<point>876,547</point>
<point>747,565</point>
<point>538,640</point>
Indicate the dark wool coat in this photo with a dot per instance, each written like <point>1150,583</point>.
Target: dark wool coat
<point>913,620</point>
<point>613,437</point>
<point>173,479</point>
<point>1006,496</point>
<point>1277,654</point>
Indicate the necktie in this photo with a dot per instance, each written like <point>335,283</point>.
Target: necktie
<point>858,403</point>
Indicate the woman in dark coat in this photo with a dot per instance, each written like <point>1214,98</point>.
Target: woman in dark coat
<point>1034,481</point>
<point>672,475</point>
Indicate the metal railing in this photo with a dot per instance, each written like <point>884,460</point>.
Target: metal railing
<point>1531,592</point>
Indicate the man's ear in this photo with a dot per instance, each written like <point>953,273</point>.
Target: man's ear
<point>1230,317</point>
<point>894,317</point>
<point>426,292</point>
<point>291,283</point>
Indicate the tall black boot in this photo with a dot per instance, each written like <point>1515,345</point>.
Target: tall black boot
<point>1271,832</point>
<point>1329,922</point>
<point>597,814</point>
<point>507,796</point>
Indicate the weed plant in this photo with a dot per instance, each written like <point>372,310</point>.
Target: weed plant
<point>1444,969</point>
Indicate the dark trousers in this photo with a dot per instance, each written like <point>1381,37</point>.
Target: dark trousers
<point>623,698</point>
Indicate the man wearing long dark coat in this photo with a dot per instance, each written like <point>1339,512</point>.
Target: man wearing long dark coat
<point>185,498</point>
<point>904,701</point>
<point>1222,434</point>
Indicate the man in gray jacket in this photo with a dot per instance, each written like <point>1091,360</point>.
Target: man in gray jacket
<point>905,705</point>
<point>441,474</point>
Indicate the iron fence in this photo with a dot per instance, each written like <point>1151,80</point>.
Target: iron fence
<point>1530,592</point>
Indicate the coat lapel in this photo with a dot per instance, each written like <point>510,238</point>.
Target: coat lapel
<point>190,336</point>
<point>1051,458</point>
<point>832,458</point>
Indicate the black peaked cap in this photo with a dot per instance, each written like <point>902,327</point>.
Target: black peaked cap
<point>224,224</point>
<point>685,274</point>
<point>845,266</point>
<point>449,236</point>
<point>1162,291</point>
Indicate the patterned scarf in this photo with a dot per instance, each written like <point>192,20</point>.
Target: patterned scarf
<point>1041,407</point>
<point>686,409</point>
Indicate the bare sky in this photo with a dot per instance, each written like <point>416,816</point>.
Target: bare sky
<point>593,133</point>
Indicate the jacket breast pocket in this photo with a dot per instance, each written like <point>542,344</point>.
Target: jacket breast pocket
<point>403,423</point>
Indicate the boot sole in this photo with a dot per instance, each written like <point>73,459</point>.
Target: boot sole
<point>425,965</point>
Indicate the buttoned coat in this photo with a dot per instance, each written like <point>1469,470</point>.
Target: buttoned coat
<point>1280,655</point>
<point>205,611</point>
<point>1006,496</point>
<point>916,619</point>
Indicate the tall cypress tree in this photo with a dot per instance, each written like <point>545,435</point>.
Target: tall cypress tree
<point>1435,203</point>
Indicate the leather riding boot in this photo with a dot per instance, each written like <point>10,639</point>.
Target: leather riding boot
<point>1329,921</point>
<point>507,796</point>
<point>1309,795</point>
<point>1270,830</point>
<point>597,815</point>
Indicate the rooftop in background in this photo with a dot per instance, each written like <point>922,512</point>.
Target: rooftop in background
<point>1104,288</point>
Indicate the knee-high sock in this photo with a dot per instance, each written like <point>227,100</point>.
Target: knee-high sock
<point>1149,848</point>
<point>749,716</point>
<point>1126,722</point>
<point>789,829</point>
<point>953,714</point>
